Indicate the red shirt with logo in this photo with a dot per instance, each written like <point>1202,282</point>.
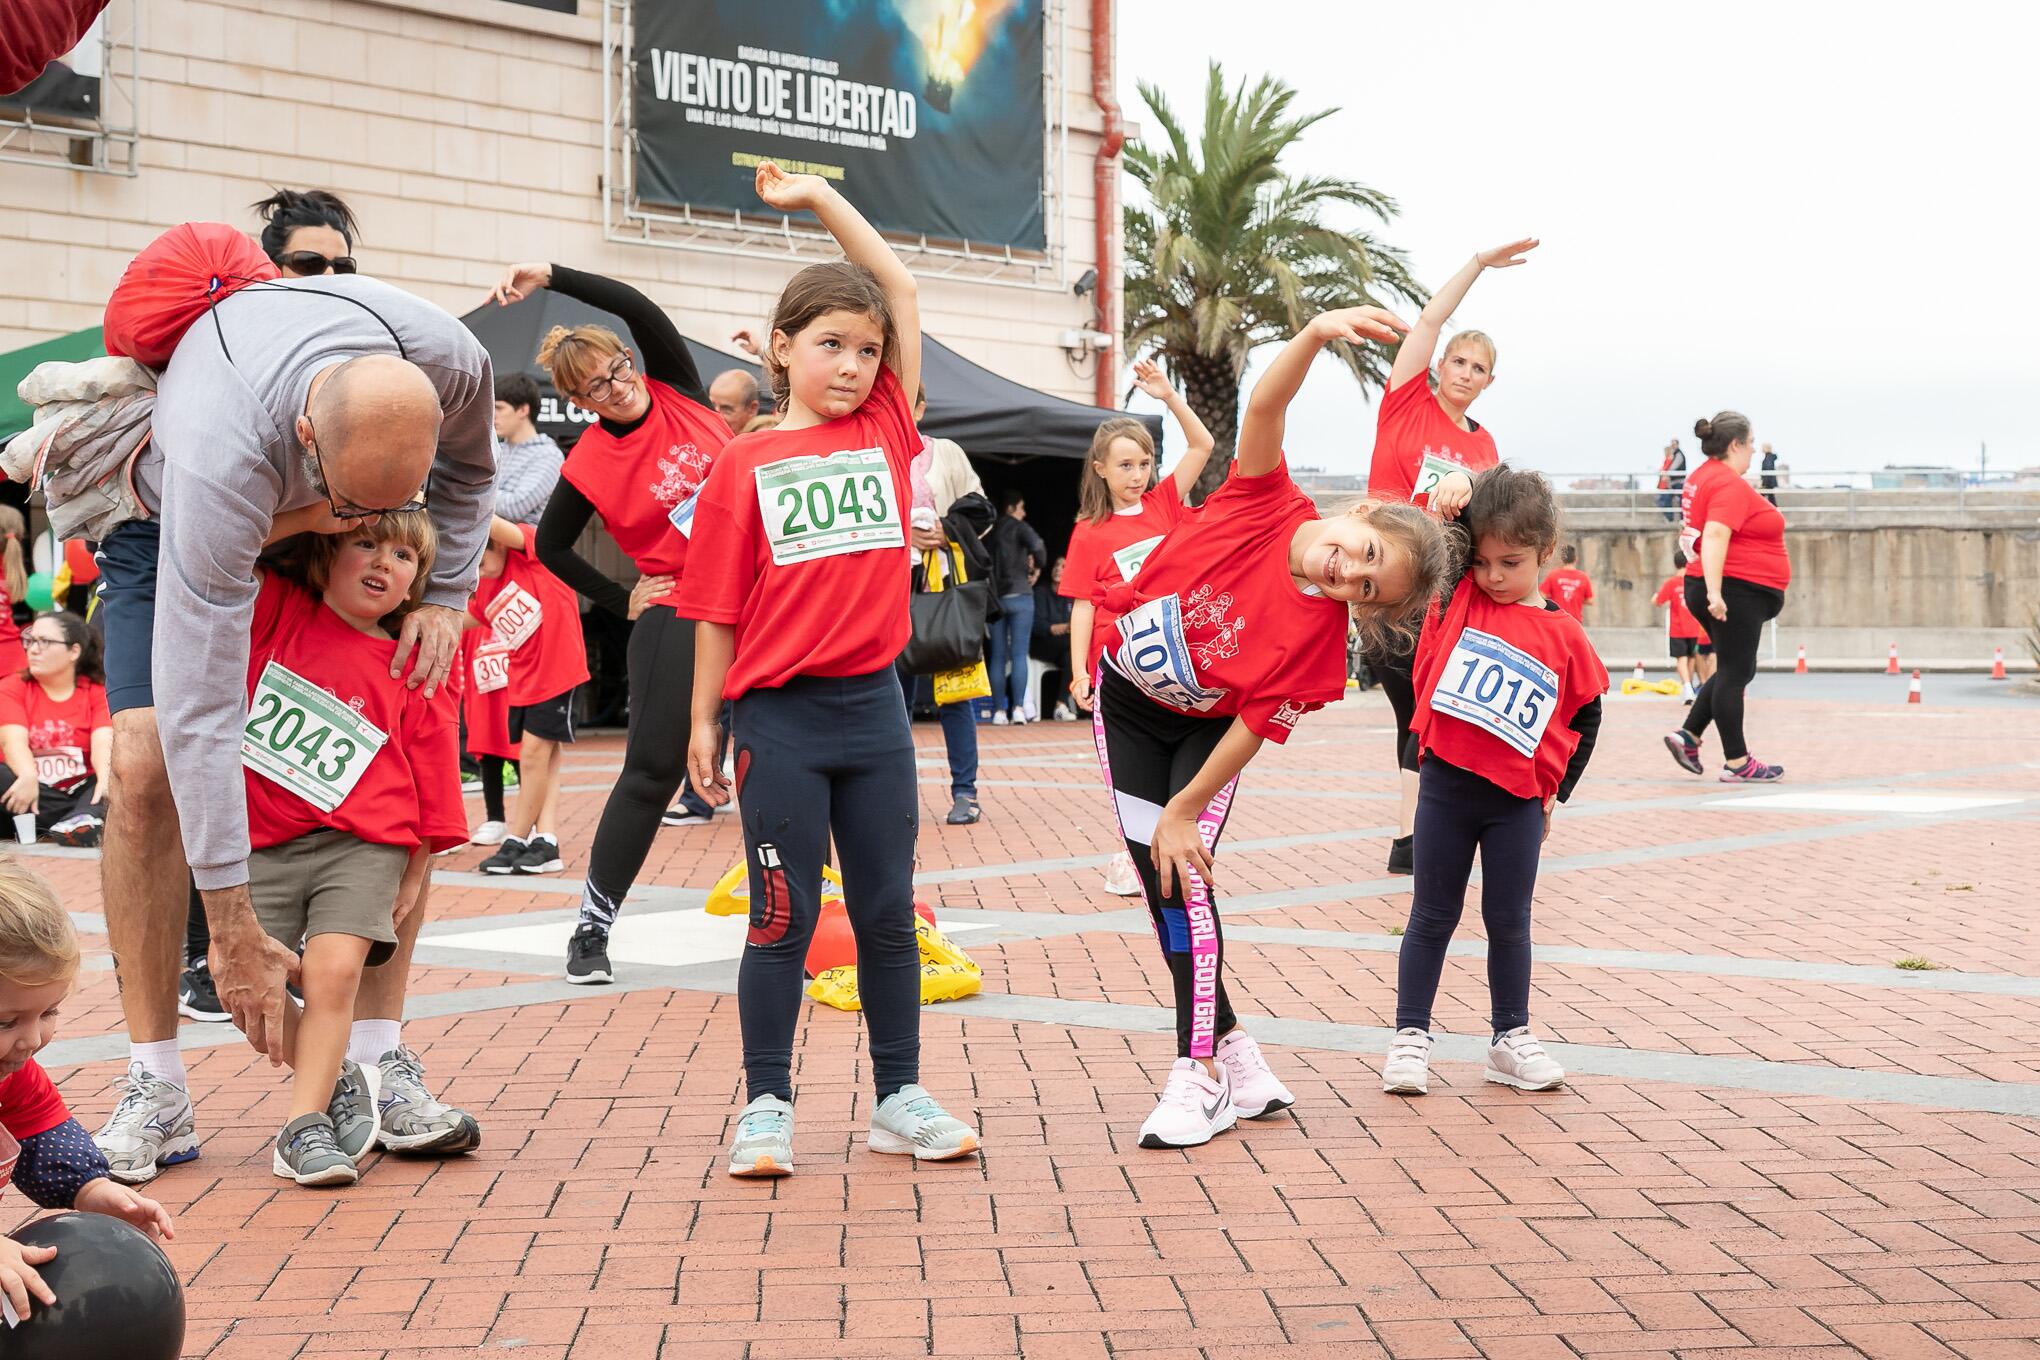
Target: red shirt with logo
<point>409,793</point>
<point>638,482</point>
<point>1101,556</point>
<point>1410,427</point>
<point>1214,623</point>
<point>1498,686</point>
<point>59,733</point>
<point>808,556</point>
<point>1679,620</point>
<point>536,618</point>
<point>1756,545</point>
<point>1570,589</point>
<point>482,679</point>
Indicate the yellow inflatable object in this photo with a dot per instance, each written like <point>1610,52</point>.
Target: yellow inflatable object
<point>731,895</point>
<point>1632,685</point>
<point>947,974</point>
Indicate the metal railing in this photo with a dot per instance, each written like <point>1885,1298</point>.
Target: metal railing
<point>1814,499</point>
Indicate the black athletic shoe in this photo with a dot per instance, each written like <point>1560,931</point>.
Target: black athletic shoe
<point>1402,855</point>
<point>588,956</point>
<point>508,856</point>
<point>196,995</point>
<point>541,856</point>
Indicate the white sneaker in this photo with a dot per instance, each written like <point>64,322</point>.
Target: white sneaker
<point>150,1128</point>
<point>1517,1059</point>
<point>1193,1109</point>
<point>488,833</point>
<point>763,1144</point>
<point>1408,1069</point>
<point>1121,878</point>
<point>1256,1091</point>
<point>909,1121</point>
<point>999,718</point>
<point>1064,713</point>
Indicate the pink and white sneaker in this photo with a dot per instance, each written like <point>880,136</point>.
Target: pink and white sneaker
<point>1193,1109</point>
<point>1256,1091</point>
<point>1752,771</point>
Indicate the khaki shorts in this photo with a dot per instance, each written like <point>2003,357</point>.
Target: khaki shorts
<point>328,883</point>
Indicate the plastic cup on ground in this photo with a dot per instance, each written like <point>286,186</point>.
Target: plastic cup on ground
<point>24,827</point>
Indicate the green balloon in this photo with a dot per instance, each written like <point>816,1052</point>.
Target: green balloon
<point>39,591</point>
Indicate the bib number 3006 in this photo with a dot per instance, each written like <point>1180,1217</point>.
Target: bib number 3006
<point>1499,688</point>
<point>825,507</point>
<point>303,738</point>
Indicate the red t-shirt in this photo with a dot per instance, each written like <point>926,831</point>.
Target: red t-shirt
<point>638,482</point>
<point>29,1103</point>
<point>12,658</point>
<point>1484,669</point>
<point>1100,555</point>
<point>1410,426</point>
<point>409,791</point>
<point>1679,620</point>
<point>482,679</point>
<point>1756,545</point>
<point>808,557</point>
<point>537,617</point>
<point>1214,623</point>
<point>1571,589</point>
<point>59,734</point>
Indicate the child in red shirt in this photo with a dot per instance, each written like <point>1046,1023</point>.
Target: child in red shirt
<point>1692,652</point>
<point>55,732</point>
<point>13,587</point>
<point>1233,629</point>
<point>483,679</point>
<point>1569,588</point>
<point>43,1150</point>
<point>352,783</point>
<point>1508,706</point>
<point>802,596</point>
<point>536,619</point>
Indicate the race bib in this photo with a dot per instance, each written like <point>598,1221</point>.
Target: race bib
<point>825,507</point>
<point>681,516</point>
<point>1500,688</point>
<point>1689,541</point>
<point>303,738</point>
<point>56,768</point>
<point>1130,558</point>
<point>1432,471</point>
<point>1154,655</point>
<point>492,669</point>
<point>514,615</point>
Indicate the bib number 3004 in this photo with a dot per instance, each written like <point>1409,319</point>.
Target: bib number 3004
<point>303,738</point>
<point>1499,688</point>
<point>825,507</point>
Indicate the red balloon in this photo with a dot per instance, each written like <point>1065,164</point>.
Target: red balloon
<point>834,945</point>
<point>173,282</point>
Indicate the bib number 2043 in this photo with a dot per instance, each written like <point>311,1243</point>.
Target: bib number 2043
<point>824,507</point>
<point>303,738</point>
<point>1500,688</point>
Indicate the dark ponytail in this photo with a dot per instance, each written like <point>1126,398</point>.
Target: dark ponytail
<point>284,211</point>
<point>1727,427</point>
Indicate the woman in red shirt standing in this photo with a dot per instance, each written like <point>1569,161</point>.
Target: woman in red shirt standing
<point>1735,581</point>
<point>1426,450</point>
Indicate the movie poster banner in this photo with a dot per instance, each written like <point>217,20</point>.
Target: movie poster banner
<point>926,114</point>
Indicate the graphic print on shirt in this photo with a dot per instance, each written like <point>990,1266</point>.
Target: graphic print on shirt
<point>681,473</point>
<point>1499,688</point>
<point>1155,652</point>
<point>59,761</point>
<point>1288,714</point>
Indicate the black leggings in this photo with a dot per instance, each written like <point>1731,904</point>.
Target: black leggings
<point>1149,753</point>
<point>825,754</point>
<point>660,660</point>
<point>492,785</point>
<point>1736,637</point>
<point>1393,672</point>
<point>53,805</point>
<point>1458,812</point>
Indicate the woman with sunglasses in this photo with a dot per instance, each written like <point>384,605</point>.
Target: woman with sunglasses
<point>638,467</point>
<point>307,232</point>
<point>55,734</point>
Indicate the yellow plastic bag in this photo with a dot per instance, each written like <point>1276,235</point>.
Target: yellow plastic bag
<point>731,895</point>
<point>963,684</point>
<point>1635,686</point>
<point>947,974</point>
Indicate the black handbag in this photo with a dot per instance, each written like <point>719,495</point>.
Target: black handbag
<point>949,619</point>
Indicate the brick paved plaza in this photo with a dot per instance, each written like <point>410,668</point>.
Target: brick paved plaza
<point>1773,1141</point>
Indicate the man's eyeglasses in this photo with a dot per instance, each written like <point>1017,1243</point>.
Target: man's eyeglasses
<point>601,389</point>
<point>31,643</point>
<point>345,510</point>
<point>312,262</point>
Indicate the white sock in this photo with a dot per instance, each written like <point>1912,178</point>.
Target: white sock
<point>368,1040</point>
<point>160,1060</point>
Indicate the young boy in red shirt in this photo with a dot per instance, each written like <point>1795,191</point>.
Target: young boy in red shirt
<point>1692,652</point>
<point>1568,587</point>
<point>353,781</point>
<point>535,619</point>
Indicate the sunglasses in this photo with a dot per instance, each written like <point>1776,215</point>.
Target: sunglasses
<point>312,262</point>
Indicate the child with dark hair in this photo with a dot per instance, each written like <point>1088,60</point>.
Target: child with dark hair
<point>55,732</point>
<point>1508,706</point>
<point>1571,588</point>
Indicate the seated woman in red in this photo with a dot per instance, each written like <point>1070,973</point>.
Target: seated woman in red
<point>55,732</point>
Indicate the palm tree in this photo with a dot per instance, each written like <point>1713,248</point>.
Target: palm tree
<point>1231,252</point>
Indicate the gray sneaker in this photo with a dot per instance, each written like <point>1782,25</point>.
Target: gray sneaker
<point>352,1111</point>
<point>410,1119</point>
<point>764,1142</point>
<point>307,1153</point>
<point>151,1127</point>
<point>909,1121</point>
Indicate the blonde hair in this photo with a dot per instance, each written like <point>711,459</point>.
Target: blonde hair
<point>1430,550</point>
<point>37,944</point>
<point>1094,498</point>
<point>1464,338</point>
<point>410,528</point>
<point>573,355</point>
<point>14,528</point>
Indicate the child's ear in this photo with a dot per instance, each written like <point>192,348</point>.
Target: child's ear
<point>1364,507</point>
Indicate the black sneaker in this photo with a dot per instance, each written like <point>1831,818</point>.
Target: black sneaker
<point>507,857</point>
<point>1402,855</point>
<point>588,955</point>
<point>197,998</point>
<point>541,856</point>
<point>689,811</point>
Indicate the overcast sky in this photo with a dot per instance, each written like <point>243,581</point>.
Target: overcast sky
<point>1822,215</point>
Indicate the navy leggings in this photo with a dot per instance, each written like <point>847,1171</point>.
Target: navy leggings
<point>825,754</point>
<point>1458,812</point>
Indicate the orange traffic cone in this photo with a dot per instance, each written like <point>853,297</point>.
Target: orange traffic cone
<point>1891,662</point>
<point>1997,665</point>
<point>1912,691</point>
<point>1799,666</point>
<point>1639,670</point>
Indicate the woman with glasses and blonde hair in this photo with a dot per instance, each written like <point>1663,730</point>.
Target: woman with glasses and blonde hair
<point>56,736</point>
<point>638,467</point>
